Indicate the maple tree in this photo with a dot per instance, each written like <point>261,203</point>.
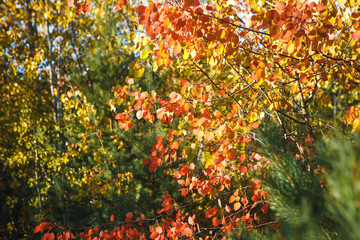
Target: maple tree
<point>231,66</point>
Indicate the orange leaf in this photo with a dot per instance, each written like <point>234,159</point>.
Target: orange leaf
<point>319,7</point>
<point>184,191</point>
<point>66,235</point>
<point>183,82</point>
<point>167,62</point>
<point>244,201</point>
<point>217,114</point>
<point>241,158</point>
<point>223,221</point>
<point>243,169</point>
<point>129,215</point>
<point>209,136</point>
<point>215,221</point>
<point>265,208</point>
<point>177,48</point>
<point>174,145</point>
<point>186,231</point>
<point>255,185</point>
<point>255,198</point>
<point>356,36</point>
<point>211,212</point>
<point>112,218</point>
<point>237,205</point>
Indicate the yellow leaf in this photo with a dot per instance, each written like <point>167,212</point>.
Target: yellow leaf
<point>212,61</point>
<point>291,48</point>
<point>155,66</point>
<point>131,36</point>
<point>342,2</point>
<point>144,54</point>
<point>193,53</point>
<point>186,55</point>
<point>138,73</point>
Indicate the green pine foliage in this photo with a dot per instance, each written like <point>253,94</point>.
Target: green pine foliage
<point>306,202</point>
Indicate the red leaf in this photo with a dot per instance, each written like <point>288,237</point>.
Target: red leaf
<point>152,7</point>
<point>154,235</point>
<point>112,218</point>
<point>43,226</point>
<point>255,185</point>
<point>120,5</point>
<point>79,9</point>
<point>48,236</point>
<point>141,9</point>
<point>87,7</point>
<point>66,235</point>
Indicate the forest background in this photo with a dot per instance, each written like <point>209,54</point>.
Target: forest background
<point>179,119</point>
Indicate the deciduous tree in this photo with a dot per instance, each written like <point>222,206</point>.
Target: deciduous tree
<point>233,65</point>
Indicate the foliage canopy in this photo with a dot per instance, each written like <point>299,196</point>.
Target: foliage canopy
<point>202,85</point>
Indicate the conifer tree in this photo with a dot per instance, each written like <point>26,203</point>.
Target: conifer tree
<point>311,198</point>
